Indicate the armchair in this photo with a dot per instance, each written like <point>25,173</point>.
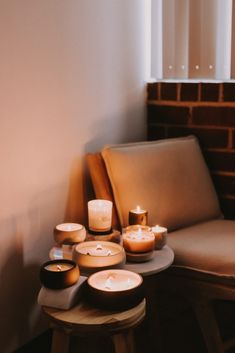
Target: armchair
<point>171,180</point>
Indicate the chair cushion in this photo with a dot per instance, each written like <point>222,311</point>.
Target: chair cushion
<point>168,177</point>
<point>208,247</point>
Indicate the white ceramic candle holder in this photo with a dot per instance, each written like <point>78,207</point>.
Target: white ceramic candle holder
<point>100,216</point>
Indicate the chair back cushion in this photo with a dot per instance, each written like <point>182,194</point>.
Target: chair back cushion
<point>168,178</point>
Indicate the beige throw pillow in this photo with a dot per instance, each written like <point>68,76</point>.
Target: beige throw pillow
<point>168,178</point>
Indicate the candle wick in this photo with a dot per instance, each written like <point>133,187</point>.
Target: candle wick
<point>59,268</point>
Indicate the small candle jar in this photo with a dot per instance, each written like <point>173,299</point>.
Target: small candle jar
<point>69,233</point>
<point>115,289</point>
<point>59,274</point>
<point>100,216</point>
<point>94,255</point>
<point>138,239</point>
<point>138,216</point>
<point>160,234</point>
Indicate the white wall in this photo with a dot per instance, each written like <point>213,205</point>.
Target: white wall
<point>71,80</point>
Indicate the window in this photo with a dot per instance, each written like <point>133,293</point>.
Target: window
<point>192,39</point>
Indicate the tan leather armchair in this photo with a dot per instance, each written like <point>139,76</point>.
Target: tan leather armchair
<point>170,179</point>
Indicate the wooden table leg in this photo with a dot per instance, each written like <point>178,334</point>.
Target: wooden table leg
<point>124,342</point>
<point>209,327</point>
<point>60,342</point>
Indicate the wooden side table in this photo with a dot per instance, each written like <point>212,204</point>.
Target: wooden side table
<point>84,320</point>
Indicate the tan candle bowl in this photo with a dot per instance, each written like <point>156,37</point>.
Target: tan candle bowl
<point>138,239</point>
<point>98,255</point>
<point>115,289</point>
<point>59,274</point>
<point>69,233</point>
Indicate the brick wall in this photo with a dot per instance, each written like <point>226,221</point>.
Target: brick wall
<point>206,110</point>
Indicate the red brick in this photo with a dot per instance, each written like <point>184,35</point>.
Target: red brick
<point>219,116</point>
<point>168,91</point>
<point>156,132</point>
<point>225,184</point>
<point>221,161</point>
<point>228,207</point>
<point>167,114</point>
<point>189,92</point>
<point>152,91</point>
<point>210,91</point>
<point>210,138</point>
<point>229,92</point>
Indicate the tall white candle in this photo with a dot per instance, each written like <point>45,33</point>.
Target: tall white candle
<point>100,215</point>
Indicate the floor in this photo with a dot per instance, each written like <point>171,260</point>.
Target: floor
<point>180,333</point>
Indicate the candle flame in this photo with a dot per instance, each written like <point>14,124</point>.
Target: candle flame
<point>138,208</point>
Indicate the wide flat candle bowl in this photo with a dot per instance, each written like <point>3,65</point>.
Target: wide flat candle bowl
<point>92,256</point>
<point>139,243</point>
<point>115,289</point>
<point>59,274</point>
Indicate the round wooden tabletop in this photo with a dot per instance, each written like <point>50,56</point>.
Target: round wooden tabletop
<point>85,319</point>
<point>161,260</point>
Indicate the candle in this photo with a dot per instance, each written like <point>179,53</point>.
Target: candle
<point>98,254</point>
<point>100,216</point>
<point>138,239</point>
<point>115,288</point>
<point>59,274</point>
<point>58,266</point>
<point>138,216</point>
<point>160,234</point>
<point>69,233</point>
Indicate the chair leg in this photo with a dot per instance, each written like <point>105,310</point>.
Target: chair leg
<point>124,342</point>
<point>60,342</point>
<point>208,324</point>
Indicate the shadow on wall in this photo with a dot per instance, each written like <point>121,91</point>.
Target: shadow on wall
<point>18,290</point>
<point>76,199</point>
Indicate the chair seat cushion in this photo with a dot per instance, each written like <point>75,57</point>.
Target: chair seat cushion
<point>207,248</point>
<point>168,178</point>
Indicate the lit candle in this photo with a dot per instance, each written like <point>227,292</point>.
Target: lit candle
<point>57,267</point>
<point>115,288</point>
<point>138,239</point>
<point>98,254</point>
<point>138,216</point>
<point>160,234</point>
<point>100,216</point>
<point>114,280</point>
<point>69,233</point>
<point>59,274</point>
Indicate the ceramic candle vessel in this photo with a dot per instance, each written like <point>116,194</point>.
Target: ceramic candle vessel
<point>59,274</point>
<point>160,234</point>
<point>100,216</point>
<point>138,216</point>
<point>98,255</point>
<point>115,289</point>
<point>138,239</point>
<point>69,233</point>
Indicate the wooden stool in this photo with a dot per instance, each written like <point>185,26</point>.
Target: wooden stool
<point>85,320</point>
